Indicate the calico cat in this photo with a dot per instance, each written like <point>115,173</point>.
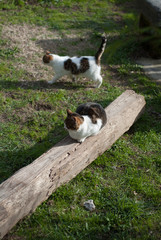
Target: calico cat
<point>85,66</point>
<point>88,119</point>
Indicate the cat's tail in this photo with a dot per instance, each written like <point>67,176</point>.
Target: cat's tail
<point>100,51</point>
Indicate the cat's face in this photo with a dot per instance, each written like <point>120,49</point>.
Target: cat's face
<point>73,120</point>
<point>47,58</point>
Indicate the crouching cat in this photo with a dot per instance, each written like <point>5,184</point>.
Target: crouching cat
<point>88,119</point>
<point>85,66</point>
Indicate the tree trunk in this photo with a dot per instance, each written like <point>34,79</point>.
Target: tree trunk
<point>33,184</point>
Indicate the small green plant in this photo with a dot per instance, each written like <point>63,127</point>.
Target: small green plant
<point>8,52</point>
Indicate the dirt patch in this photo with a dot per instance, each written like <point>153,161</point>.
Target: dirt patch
<point>115,79</point>
<point>32,42</point>
<point>39,106</point>
<point>3,118</point>
<point>13,95</point>
<point>26,114</point>
<point>29,110</point>
<point>23,115</point>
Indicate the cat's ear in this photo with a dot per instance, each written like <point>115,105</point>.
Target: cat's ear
<point>47,52</point>
<point>69,112</point>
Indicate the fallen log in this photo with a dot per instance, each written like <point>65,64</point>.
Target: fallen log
<point>31,185</point>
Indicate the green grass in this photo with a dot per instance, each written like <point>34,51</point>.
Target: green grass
<point>125,181</point>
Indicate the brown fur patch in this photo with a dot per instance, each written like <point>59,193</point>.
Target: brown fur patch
<point>69,112</point>
<point>71,66</point>
<point>73,120</point>
<point>84,65</point>
<point>47,57</point>
<point>93,114</point>
<point>79,121</point>
<point>94,111</point>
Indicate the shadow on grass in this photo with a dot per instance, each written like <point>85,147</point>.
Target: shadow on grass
<point>39,85</point>
<point>75,46</point>
<point>15,159</point>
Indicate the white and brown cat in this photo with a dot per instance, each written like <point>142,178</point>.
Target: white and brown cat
<point>85,66</point>
<point>88,119</point>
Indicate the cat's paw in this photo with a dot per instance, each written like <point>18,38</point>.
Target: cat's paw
<point>81,140</point>
<point>98,85</point>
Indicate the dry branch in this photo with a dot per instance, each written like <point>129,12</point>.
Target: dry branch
<point>31,185</point>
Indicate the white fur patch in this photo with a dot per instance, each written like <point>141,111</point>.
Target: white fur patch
<point>86,129</point>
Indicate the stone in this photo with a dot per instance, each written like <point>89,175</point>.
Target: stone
<point>89,205</point>
<point>152,68</point>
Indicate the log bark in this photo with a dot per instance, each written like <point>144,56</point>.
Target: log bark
<point>31,185</point>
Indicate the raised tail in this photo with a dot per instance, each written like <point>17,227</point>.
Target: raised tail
<point>100,51</point>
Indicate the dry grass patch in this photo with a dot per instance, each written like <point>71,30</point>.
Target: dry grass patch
<point>32,42</point>
<point>30,54</point>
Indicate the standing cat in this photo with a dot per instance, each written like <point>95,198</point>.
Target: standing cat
<point>88,119</point>
<point>85,66</point>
